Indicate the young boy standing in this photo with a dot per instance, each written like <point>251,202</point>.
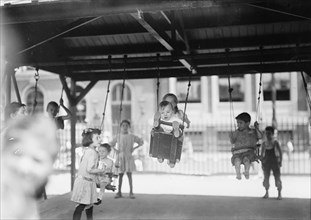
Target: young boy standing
<point>271,155</point>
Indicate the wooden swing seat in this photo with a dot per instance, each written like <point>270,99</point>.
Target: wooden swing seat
<point>256,151</point>
<point>165,146</point>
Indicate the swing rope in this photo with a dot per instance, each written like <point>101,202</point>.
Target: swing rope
<point>107,93</point>
<point>158,80</point>
<point>258,107</point>
<point>120,114</point>
<point>230,90</point>
<point>186,100</point>
<point>36,77</point>
<point>305,85</point>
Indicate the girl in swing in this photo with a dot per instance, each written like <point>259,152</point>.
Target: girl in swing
<point>244,140</point>
<point>84,190</point>
<point>125,160</point>
<point>53,109</point>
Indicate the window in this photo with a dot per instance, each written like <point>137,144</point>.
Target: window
<point>81,111</point>
<point>281,84</point>
<point>194,92</point>
<point>196,140</point>
<point>116,101</point>
<point>30,99</point>
<point>237,84</point>
<point>223,141</point>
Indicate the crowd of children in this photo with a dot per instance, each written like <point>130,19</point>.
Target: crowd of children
<point>97,168</point>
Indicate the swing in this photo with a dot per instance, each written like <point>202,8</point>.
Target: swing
<point>110,175</point>
<point>230,90</point>
<point>58,120</point>
<point>166,145</point>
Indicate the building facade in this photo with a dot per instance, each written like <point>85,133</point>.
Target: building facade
<point>209,106</point>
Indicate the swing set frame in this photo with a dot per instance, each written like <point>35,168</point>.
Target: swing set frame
<point>141,30</point>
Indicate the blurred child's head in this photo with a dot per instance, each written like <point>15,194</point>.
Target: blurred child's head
<point>166,110</point>
<point>269,131</point>
<point>104,150</point>
<point>172,98</point>
<point>30,147</point>
<point>52,109</point>
<point>125,125</point>
<point>91,136</point>
<point>14,109</point>
<point>243,120</point>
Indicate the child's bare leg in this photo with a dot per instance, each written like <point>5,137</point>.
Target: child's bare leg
<point>266,184</point>
<point>89,213</point>
<point>278,182</point>
<point>102,190</point>
<point>247,165</point>
<point>175,126</point>
<point>119,194</point>
<point>156,119</point>
<point>129,175</point>
<point>237,166</point>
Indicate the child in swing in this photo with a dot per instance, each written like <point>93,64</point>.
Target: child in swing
<point>84,190</point>
<point>166,111</point>
<point>125,160</point>
<point>271,158</point>
<point>105,164</point>
<point>53,109</point>
<point>244,140</point>
<point>172,98</point>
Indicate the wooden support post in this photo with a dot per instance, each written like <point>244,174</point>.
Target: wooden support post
<point>8,85</point>
<point>273,99</point>
<point>18,96</point>
<point>73,120</point>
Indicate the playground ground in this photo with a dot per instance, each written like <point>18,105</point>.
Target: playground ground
<point>168,197</point>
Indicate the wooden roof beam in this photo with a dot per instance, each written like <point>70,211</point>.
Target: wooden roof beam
<point>64,10</point>
<point>151,26</point>
<point>203,71</point>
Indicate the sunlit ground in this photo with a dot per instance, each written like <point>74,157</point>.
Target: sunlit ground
<point>224,185</point>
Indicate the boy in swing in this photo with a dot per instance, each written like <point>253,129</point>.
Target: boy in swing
<point>244,140</point>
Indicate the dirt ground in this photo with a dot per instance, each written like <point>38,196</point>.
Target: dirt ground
<point>168,197</point>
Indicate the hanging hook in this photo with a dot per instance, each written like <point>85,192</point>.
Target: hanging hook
<point>37,76</point>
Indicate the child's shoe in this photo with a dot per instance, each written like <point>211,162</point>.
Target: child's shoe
<point>266,196</point>
<point>238,176</point>
<point>118,195</point>
<point>176,132</point>
<point>160,160</point>
<point>279,196</point>
<point>156,119</point>
<point>172,165</point>
<point>99,201</point>
<point>246,174</point>
<point>110,187</point>
<point>132,196</point>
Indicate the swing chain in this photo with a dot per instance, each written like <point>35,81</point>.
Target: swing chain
<point>186,101</point>
<point>158,76</point>
<point>36,77</point>
<point>107,93</point>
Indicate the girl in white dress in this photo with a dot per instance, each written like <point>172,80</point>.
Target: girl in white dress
<point>125,158</point>
<point>84,190</point>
